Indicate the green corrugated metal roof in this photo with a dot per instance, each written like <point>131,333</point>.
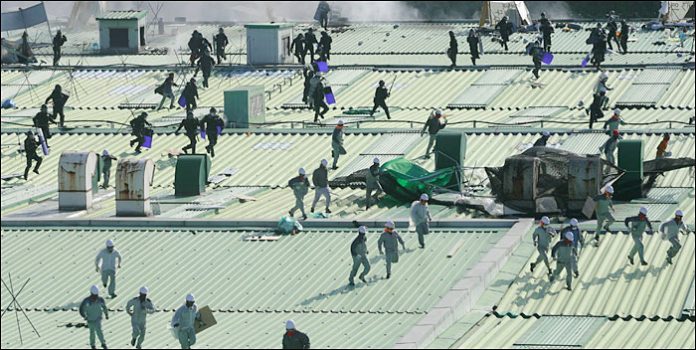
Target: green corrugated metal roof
<point>121,15</point>
<point>608,285</point>
<point>493,332</point>
<point>304,274</point>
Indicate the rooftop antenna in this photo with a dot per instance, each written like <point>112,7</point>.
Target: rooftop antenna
<point>17,307</point>
<point>155,10</point>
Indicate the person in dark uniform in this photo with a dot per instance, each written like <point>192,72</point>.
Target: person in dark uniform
<point>297,47</point>
<point>319,102</point>
<point>323,10</point>
<point>625,31</point>
<point>310,41</point>
<point>190,124</point>
<point>537,53</point>
<point>191,94</point>
<point>58,41</point>
<point>599,101</point>
<point>41,121</point>
<point>59,99</point>
<point>541,142</point>
<point>546,30</point>
<point>210,124</point>
<point>505,29</point>
<point>612,28</point>
<point>138,130</point>
<point>325,45</point>
<point>30,147</point>
<point>221,42</point>
<point>205,64</point>
<point>474,41</point>
<point>380,100</point>
<point>308,75</point>
<point>453,49</point>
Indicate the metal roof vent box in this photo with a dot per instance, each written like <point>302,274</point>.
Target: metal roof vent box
<point>133,180</point>
<point>76,171</point>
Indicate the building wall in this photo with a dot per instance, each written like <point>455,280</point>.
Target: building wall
<point>266,45</point>
<point>133,27</point>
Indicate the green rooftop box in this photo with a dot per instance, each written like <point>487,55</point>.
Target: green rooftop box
<point>191,174</point>
<point>245,106</point>
<point>450,152</point>
<point>629,186</point>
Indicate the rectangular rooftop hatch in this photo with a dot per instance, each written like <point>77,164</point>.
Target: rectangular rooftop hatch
<point>560,332</point>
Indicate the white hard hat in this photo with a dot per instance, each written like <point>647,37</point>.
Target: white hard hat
<point>144,290</point>
<point>302,171</point>
<point>289,324</point>
<point>376,160</point>
<point>545,220</point>
<point>105,153</point>
<point>340,122</point>
<point>362,229</point>
<point>604,75</point>
<point>569,236</point>
<point>438,112</point>
<point>424,197</point>
<point>190,298</point>
<point>324,162</point>
<point>609,189</point>
<point>617,111</point>
<point>574,222</point>
<point>94,290</point>
<point>679,213</point>
<point>109,243</point>
<point>546,133</point>
<point>389,224</point>
<point>643,210</point>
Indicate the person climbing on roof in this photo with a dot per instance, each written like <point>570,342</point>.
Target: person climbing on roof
<point>358,250</point>
<point>541,142</point>
<point>474,42</point>
<point>436,122</point>
<point>297,47</point>
<point>609,147</point>
<point>59,100</point>
<point>308,74</point>
<point>30,150</point>
<point>294,339</point>
<point>138,308</point>
<point>213,125</point>
<point>220,40</point>
<point>599,102</point>
<point>566,255</point>
<point>300,187</point>
<point>602,84</point>
<point>504,27</point>
<point>612,28</point>
<point>320,178</point>
<point>58,41</point>
<point>671,231</point>
<point>41,120</point>
<point>380,99</point>
<point>542,239</point>
<point>546,30</point>
<point>184,320</point>
<point>205,64</point>
<point>190,125</point>
<point>165,89</point>
<point>107,159</point>
<point>662,148</point>
<point>613,123</point>
<point>325,45</point>
<point>537,53</point>
<point>420,215</point>
<point>108,258</point>
<point>598,39</point>
<point>337,143</point>
<point>310,41</point>
<point>637,228</point>
<point>190,94</point>
<point>453,49</point>
<point>390,239</point>
<point>92,309</point>
<point>138,128</point>
<point>604,207</point>
<point>372,183</point>
<point>625,31</point>
<point>578,242</point>
<point>319,103</point>
<point>322,14</point>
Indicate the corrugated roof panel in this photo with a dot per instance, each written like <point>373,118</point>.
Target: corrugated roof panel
<point>477,96</point>
<point>560,332</point>
<point>657,76</point>
<point>642,95</point>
